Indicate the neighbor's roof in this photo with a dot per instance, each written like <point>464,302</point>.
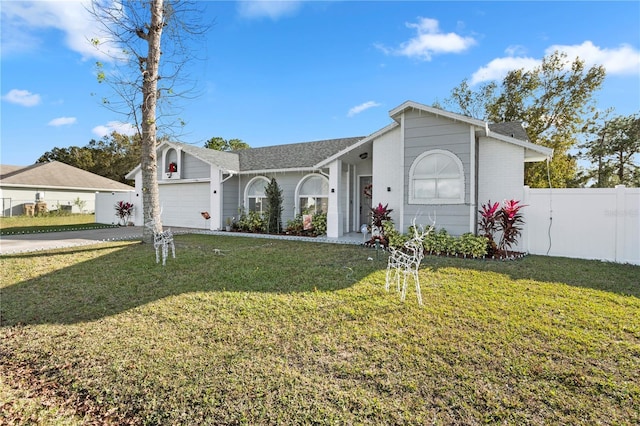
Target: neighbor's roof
<point>291,156</point>
<point>57,175</point>
<point>512,129</point>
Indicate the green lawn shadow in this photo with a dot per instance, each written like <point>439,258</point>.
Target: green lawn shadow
<point>111,282</point>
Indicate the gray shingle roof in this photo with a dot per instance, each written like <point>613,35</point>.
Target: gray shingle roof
<point>292,156</point>
<point>59,176</point>
<point>512,129</point>
<point>224,160</point>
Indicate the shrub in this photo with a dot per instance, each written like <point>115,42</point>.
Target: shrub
<point>252,222</point>
<point>506,219</point>
<point>274,207</point>
<point>319,223</point>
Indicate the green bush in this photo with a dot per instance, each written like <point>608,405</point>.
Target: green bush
<point>319,223</point>
<point>252,222</point>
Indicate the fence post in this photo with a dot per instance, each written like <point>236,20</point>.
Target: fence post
<point>526,198</point>
<point>620,222</point>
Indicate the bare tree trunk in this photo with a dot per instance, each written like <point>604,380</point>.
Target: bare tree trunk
<point>149,165</point>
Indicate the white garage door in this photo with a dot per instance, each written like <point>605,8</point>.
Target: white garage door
<point>182,204</point>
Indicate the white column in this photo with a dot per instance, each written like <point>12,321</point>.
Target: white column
<point>215,203</point>
<point>335,213</point>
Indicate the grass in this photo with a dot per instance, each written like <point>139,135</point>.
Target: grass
<point>48,223</point>
<point>282,332</point>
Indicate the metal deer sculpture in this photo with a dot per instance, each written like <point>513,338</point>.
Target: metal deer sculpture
<point>406,261</point>
<point>161,242</point>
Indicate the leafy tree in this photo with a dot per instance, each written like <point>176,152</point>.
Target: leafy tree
<point>614,150</point>
<point>273,194</point>
<point>221,144</point>
<point>113,156</point>
<point>554,101</point>
<point>147,72</point>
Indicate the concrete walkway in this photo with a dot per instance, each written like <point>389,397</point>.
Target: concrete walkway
<point>25,243</point>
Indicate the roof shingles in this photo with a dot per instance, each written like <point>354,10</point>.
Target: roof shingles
<point>58,175</point>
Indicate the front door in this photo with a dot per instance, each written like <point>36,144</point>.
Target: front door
<point>364,195</point>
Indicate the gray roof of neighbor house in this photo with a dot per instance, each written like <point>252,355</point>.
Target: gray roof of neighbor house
<point>513,129</point>
<point>292,156</point>
<point>57,175</point>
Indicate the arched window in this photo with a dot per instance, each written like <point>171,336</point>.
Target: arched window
<point>254,194</point>
<point>436,177</point>
<point>313,195</point>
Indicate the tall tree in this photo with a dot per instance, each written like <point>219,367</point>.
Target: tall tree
<point>221,144</point>
<point>614,151</point>
<point>554,101</point>
<point>147,70</point>
<point>274,206</point>
<point>113,156</point>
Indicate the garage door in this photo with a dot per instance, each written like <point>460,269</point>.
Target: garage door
<point>182,204</point>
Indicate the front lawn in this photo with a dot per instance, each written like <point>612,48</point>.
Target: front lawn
<point>48,223</point>
<point>255,331</point>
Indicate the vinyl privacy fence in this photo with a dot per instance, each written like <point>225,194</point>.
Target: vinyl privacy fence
<point>586,223</point>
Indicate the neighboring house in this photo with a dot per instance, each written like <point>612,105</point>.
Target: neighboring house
<point>427,164</point>
<point>53,186</point>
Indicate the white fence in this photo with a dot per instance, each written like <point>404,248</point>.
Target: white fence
<point>586,223</point>
<point>105,207</point>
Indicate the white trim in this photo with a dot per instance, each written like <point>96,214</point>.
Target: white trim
<point>417,160</point>
<point>542,150</point>
<point>267,171</point>
<point>472,180</point>
<point>245,197</point>
<point>358,144</point>
<point>436,111</point>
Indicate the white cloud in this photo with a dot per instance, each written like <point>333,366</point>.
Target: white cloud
<point>429,41</point>
<point>362,107</point>
<point>267,8</point>
<point>498,68</point>
<point>623,60</point>
<point>62,121</point>
<point>22,20</point>
<point>22,97</point>
<point>114,126</point>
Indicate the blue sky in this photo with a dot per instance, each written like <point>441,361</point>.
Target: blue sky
<point>296,71</point>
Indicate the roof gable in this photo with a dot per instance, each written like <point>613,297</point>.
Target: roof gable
<point>58,175</point>
<point>227,161</point>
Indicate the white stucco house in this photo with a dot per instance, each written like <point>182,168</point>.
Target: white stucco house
<point>427,163</point>
<point>54,185</point>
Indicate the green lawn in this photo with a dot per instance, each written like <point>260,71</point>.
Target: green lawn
<point>255,331</point>
<point>48,223</point>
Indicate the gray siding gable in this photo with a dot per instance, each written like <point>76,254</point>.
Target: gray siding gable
<point>226,161</point>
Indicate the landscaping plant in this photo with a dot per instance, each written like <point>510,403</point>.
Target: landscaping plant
<point>124,210</point>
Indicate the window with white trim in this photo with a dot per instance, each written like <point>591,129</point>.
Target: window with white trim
<point>255,198</point>
<point>313,195</point>
<point>436,177</point>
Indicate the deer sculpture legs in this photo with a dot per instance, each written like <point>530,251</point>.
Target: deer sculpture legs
<point>162,241</point>
<point>406,261</point>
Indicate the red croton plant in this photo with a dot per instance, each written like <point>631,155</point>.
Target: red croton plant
<point>506,219</point>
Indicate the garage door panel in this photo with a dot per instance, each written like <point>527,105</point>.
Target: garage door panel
<point>182,204</point>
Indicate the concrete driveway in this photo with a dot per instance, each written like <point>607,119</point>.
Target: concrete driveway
<point>23,243</point>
